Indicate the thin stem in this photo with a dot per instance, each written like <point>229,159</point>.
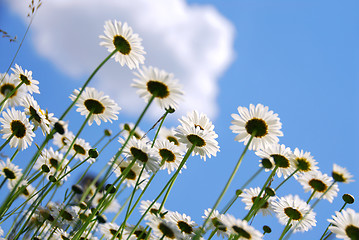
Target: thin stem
<point>202,229</point>
<point>286,228</point>
<point>285,180</point>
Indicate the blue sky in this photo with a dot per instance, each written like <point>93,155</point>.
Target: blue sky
<point>300,58</point>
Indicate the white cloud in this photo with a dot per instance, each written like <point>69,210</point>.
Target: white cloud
<point>195,42</point>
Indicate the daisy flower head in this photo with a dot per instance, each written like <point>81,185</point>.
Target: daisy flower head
<point>249,196</point>
<point>153,211</point>
<point>139,234</point>
<point>51,163</point>
<point>63,141</point>
<point>132,176</point>
<point>126,130</point>
<point>15,123</point>
<point>241,229</point>
<point>304,161</point>
<point>320,183</point>
<point>184,223</point>
<point>143,153</point>
<point>10,171</point>
<point>341,174</point>
<point>119,36</point>
<point>159,84</point>
<point>345,224</point>
<point>216,221</point>
<point>258,121</point>
<point>163,229</point>
<point>294,208</point>
<point>282,157</point>
<point>169,135</point>
<point>7,85</point>
<point>109,230</point>
<point>25,76</point>
<point>197,130</point>
<point>37,116</point>
<point>102,107</point>
<point>80,149</point>
<point>169,154</point>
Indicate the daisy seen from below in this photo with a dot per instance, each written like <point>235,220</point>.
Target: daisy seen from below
<point>216,221</point>
<point>51,163</point>
<point>128,127</point>
<point>197,130</point>
<point>7,85</point>
<point>169,135</point>
<point>296,210</point>
<point>304,161</point>
<point>142,152</point>
<point>169,154</point>
<point>37,116</point>
<point>341,174</point>
<point>345,224</point>
<point>109,230</point>
<point>258,121</point>
<point>16,126</point>
<point>320,183</point>
<point>139,234</point>
<point>249,196</point>
<point>80,149</point>
<point>152,82</point>
<point>132,176</point>
<point>99,105</point>
<point>282,156</point>
<point>10,171</point>
<point>241,229</point>
<point>184,223</point>
<point>119,36</point>
<point>25,76</point>
<point>153,211</point>
<point>164,229</point>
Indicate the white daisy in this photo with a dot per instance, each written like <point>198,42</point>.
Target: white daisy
<point>260,120</point>
<point>25,76</point>
<point>196,129</point>
<point>169,135</point>
<point>63,141</point>
<point>102,107</point>
<point>303,161</point>
<point>282,156</point>
<point>249,196</point>
<point>143,153</point>
<point>81,149</point>
<point>341,174</point>
<point>129,48</point>
<point>241,229</point>
<point>160,84</point>
<point>128,127</point>
<point>216,221</point>
<point>153,211</point>
<point>183,222</point>
<point>292,207</point>
<point>37,116</point>
<point>345,224</point>
<point>8,84</point>
<point>132,176</point>
<point>52,163</point>
<point>139,234</point>
<point>164,229</point>
<point>169,154</point>
<point>59,234</point>
<point>109,230</point>
<point>27,192</point>
<point>10,171</point>
<point>15,122</point>
<point>315,180</point>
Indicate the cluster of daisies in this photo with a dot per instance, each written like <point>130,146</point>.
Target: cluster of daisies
<point>82,213</point>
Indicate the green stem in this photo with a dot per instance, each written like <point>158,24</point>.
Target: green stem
<point>202,229</point>
<point>189,151</point>
<point>285,180</point>
<point>286,229</point>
